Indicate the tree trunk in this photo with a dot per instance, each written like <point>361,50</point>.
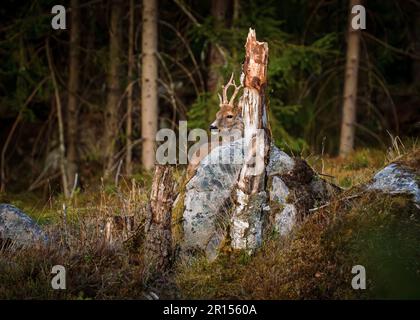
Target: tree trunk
<point>73,87</point>
<point>216,59</point>
<point>350,87</point>
<point>113,82</point>
<point>149,92</point>
<point>249,194</point>
<point>158,225</point>
<point>129,124</point>
<point>61,140</point>
<point>236,10</point>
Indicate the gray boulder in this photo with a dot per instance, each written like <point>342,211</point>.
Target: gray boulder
<point>205,196</point>
<point>293,187</point>
<point>18,228</point>
<point>396,178</point>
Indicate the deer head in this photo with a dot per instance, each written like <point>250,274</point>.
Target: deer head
<point>229,116</point>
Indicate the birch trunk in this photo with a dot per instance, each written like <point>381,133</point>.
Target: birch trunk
<point>350,87</point>
<point>249,194</point>
<point>149,92</point>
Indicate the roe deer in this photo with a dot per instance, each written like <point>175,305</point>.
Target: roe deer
<point>228,126</point>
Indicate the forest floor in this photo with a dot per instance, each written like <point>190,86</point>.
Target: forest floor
<point>378,231</point>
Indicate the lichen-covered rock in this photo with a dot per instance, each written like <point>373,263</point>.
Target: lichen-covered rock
<point>247,227</point>
<point>396,178</point>
<point>293,189</point>
<point>205,196</point>
<point>17,227</point>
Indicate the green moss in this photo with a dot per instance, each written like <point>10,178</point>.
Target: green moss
<point>177,215</point>
<point>382,233</point>
<point>411,161</point>
<point>359,160</point>
<point>378,231</point>
<point>346,182</point>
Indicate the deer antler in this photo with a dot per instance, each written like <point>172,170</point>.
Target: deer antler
<point>220,98</point>
<point>225,88</point>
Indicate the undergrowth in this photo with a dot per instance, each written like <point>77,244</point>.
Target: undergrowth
<point>380,232</point>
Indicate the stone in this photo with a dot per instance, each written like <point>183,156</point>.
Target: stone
<point>293,189</point>
<point>205,195</point>
<point>397,179</point>
<point>285,220</point>
<point>19,228</point>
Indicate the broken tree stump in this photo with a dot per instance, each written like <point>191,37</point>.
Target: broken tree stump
<point>260,191</point>
<point>158,244</point>
<point>249,194</point>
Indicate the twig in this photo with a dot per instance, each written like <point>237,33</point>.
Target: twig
<point>183,68</point>
<point>76,180</point>
<point>187,12</point>
<point>329,203</point>
<point>12,130</point>
<point>38,182</point>
<point>65,222</point>
<point>326,175</point>
<point>322,155</point>
<point>190,53</point>
<point>118,172</point>
<point>388,46</point>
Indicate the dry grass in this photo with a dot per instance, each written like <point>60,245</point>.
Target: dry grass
<point>91,273</point>
<point>378,231</point>
<point>358,168</point>
<point>95,269</point>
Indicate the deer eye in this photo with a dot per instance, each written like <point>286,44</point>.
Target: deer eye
<point>229,116</point>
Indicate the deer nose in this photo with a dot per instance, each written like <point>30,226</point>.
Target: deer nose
<point>213,127</point>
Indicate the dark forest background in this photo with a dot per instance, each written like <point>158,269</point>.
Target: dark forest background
<point>78,115</point>
<point>199,44</point>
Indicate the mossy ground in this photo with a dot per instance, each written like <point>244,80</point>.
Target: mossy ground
<point>380,232</point>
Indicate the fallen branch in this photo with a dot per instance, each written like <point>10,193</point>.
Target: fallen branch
<point>338,200</point>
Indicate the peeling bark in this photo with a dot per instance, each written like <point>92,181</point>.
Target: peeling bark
<point>249,194</point>
<point>158,250</point>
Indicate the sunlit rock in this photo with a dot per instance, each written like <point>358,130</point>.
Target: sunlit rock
<point>397,179</point>
<point>17,228</point>
<point>293,189</point>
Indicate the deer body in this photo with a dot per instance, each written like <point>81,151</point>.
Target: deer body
<point>227,127</point>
